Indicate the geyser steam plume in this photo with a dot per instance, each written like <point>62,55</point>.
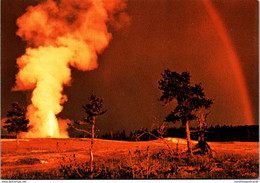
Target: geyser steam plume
<point>60,34</point>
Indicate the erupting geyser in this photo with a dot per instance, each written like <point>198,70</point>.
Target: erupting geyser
<point>52,126</point>
<point>60,34</point>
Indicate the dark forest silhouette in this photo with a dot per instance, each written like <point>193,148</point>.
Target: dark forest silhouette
<point>215,134</point>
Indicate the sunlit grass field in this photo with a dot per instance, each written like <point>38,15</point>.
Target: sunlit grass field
<point>50,158</point>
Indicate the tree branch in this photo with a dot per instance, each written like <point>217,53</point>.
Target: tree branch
<point>156,138</point>
<point>162,140</point>
<point>80,130</point>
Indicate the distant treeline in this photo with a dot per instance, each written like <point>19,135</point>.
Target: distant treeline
<point>236,133</point>
<point>214,134</point>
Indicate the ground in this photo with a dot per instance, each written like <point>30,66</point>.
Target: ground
<point>43,154</point>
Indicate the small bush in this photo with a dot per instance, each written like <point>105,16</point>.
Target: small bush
<point>28,161</point>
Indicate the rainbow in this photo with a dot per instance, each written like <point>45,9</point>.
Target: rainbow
<point>233,58</point>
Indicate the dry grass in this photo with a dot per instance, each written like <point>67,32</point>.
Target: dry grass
<point>44,159</point>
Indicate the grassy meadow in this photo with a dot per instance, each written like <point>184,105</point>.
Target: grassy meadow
<point>50,158</point>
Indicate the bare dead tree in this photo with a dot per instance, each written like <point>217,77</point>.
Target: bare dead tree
<point>161,131</point>
<point>202,145</point>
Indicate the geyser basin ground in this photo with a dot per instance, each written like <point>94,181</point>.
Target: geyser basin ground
<point>46,153</point>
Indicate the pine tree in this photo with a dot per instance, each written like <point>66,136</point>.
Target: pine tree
<point>16,121</point>
<point>190,99</point>
<point>93,109</point>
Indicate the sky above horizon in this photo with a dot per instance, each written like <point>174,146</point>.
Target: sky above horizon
<point>175,34</point>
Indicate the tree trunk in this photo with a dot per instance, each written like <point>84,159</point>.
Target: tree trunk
<point>202,128</point>
<point>91,147</point>
<point>188,139</point>
<point>17,140</point>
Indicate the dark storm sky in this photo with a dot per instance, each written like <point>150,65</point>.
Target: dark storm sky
<point>175,34</point>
